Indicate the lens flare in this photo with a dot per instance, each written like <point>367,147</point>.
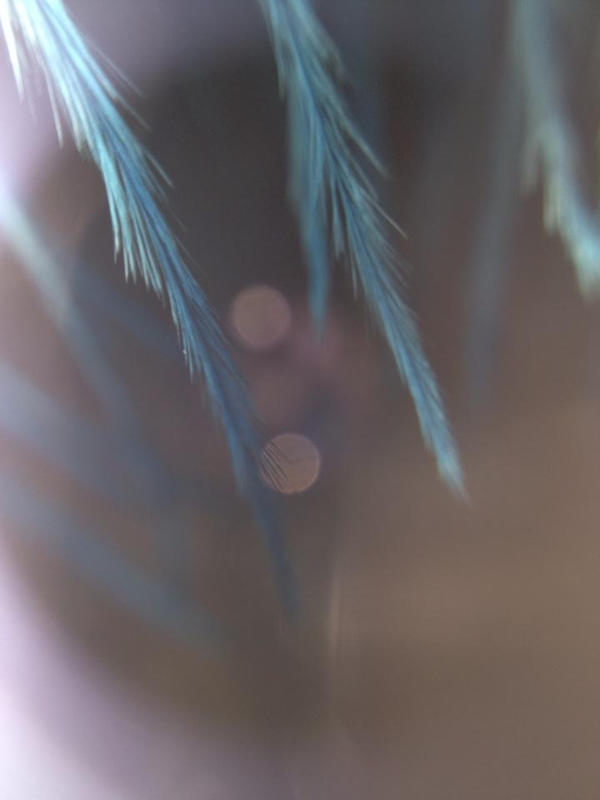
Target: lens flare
<point>260,317</point>
<point>299,463</point>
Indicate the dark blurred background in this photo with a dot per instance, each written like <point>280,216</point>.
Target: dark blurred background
<point>444,648</point>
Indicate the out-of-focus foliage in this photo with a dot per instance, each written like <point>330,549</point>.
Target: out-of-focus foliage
<point>551,140</point>
<point>40,35</point>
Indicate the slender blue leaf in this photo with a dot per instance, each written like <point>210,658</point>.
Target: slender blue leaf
<point>41,36</point>
<point>337,207</point>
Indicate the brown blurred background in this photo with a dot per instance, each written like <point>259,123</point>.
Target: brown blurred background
<point>443,648</point>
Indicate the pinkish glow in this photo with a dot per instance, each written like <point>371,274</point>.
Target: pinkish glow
<point>260,317</point>
<point>298,461</point>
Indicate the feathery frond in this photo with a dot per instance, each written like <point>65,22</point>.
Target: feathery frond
<point>40,34</point>
<point>551,144</point>
<point>338,210</point>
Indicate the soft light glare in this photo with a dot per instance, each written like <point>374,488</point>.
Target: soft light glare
<point>298,463</point>
<point>260,317</point>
